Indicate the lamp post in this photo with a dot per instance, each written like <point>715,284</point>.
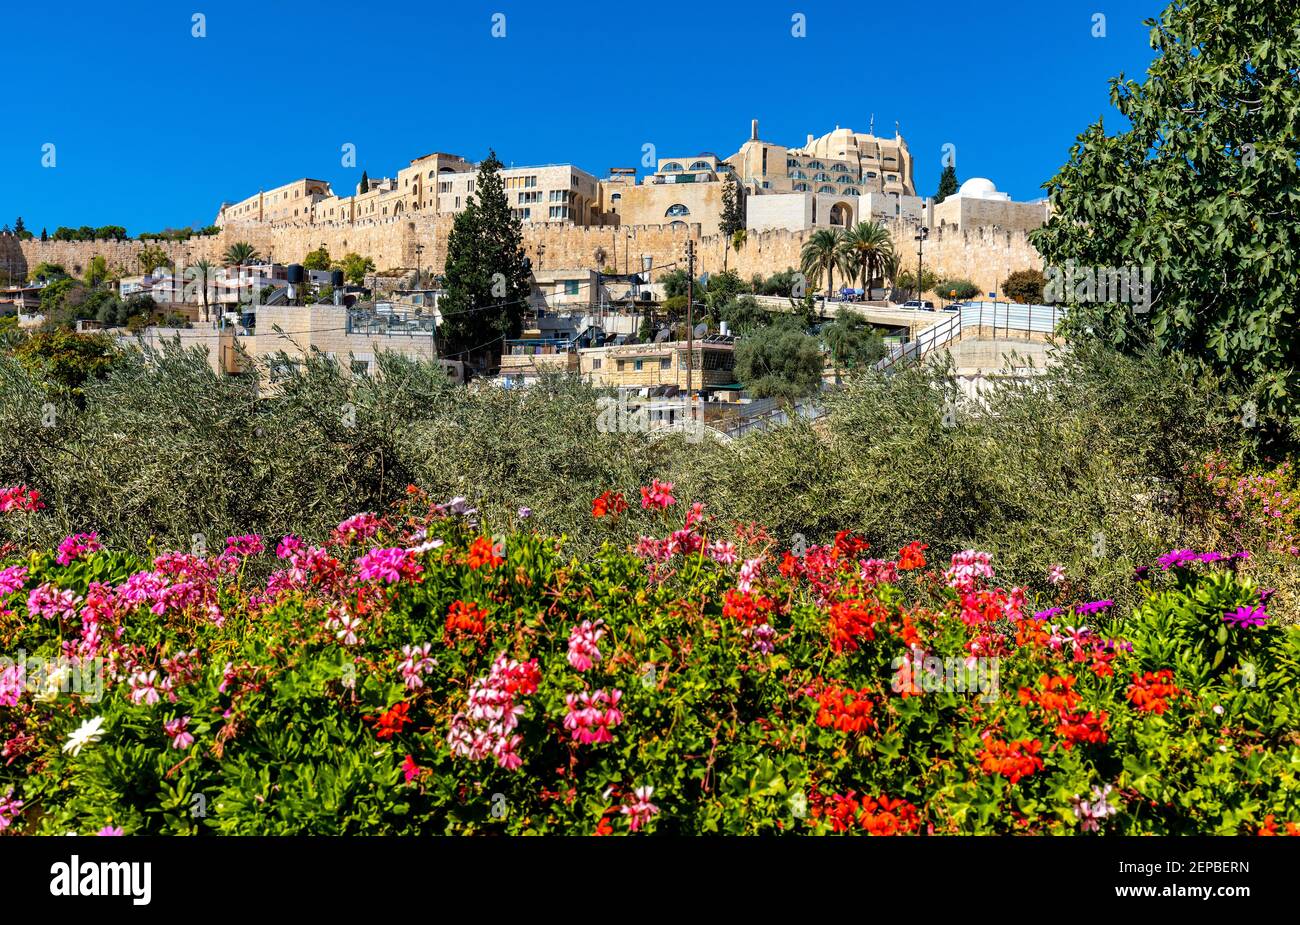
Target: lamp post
<point>920,243</point>
<point>419,249</point>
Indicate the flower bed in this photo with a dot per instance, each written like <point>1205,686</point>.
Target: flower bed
<point>414,674</point>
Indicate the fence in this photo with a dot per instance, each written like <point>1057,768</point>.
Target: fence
<point>981,319</point>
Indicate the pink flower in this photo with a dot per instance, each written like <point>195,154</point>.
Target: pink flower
<point>640,810</point>
<point>592,716</point>
<point>50,603</point>
<point>12,579</point>
<point>388,565</point>
<point>20,498</point>
<point>144,687</point>
<point>967,568</point>
<point>748,573</point>
<point>1056,574</point>
<point>75,547</point>
<point>177,730</point>
<point>9,809</point>
<point>288,546</point>
<point>244,546</point>
<point>485,729</point>
<point>723,552</point>
<point>582,644</point>
<point>348,629</point>
<point>410,770</point>
<point>658,495</point>
<point>358,527</point>
<point>416,664</point>
<point>110,830</point>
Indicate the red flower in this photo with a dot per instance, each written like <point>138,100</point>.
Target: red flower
<point>482,552</point>
<point>849,546</point>
<point>912,556</point>
<point>411,770</point>
<point>747,608</point>
<point>845,709</point>
<point>852,621</point>
<point>1152,692</point>
<point>1013,760</point>
<point>465,619</point>
<point>608,504</point>
<point>1075,729</point>
<point>391,722</point>
<point>888,817</point>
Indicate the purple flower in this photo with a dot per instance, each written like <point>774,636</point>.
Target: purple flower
<point>525,513</point>
<point>1140,573</point>
<point>1265,594</point>
<point>1092,607</point>
<point>109,830</point>
<point>1244,616</point>
<point>1049,613</point>
<point>1177,557</point>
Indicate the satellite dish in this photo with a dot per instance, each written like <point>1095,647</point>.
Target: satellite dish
<point>663,336</point>
<point>701,330</point>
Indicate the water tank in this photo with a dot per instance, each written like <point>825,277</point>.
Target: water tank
<point>336,278</point>
<point>295,273</point>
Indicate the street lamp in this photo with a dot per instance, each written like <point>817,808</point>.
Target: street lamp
<point>419,249</point>
<point>920,243</point>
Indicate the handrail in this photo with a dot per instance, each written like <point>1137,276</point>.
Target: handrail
<point>1009,316</point>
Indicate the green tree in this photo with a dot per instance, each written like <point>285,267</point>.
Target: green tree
<point>947,183</point>
<point>364,185</point>
<point>959,289</point>
<point>97,272</point>
<point>151,257</point>
<point>744,315</point>
<point>823,253</point>
<point>851,341</point>
<point>1025,286</point>
<point>733,207</point>
<point>1199,194</point>
<point>867,246</point>
<point>355,267</point>
<point>779,362</point>
<point>240,253</point>
<point>487,277</point>
<point>21,230</point>
<point>906,280</point>
<point>203,272</point>
<point>65,361</point>
<point>47,271</point>
<point>319,259</point>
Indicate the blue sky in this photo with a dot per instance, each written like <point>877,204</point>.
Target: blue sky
<point>153,127</point>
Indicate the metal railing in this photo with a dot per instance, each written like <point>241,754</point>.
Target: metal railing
<point>978,318</point>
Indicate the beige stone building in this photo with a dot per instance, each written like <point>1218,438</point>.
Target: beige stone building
<point>979,204</point>
<point>659,364</point>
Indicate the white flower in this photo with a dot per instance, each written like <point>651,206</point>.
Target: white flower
<point>88,732</point>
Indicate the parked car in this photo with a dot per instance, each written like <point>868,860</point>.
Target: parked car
<point>919,305</point>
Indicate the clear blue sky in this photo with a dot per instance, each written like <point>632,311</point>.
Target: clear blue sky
<point>154,128</point>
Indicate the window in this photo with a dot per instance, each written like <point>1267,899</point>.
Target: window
<point>638,365</point>
<point>850,191</point>
<point>816,165</point>
<point>801,187</point>
<point>616,197</point>
<point>571,287</point>
<point>560,212</point>
<point>360,367</point>
<point>665,363</point>
<point>826,189</point>
<point>671,167</point>
<point>701,165</point>
<point>595,364</point>
<point>799,175</point>
<point>677,210</point>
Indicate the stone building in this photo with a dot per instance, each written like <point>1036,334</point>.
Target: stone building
<point>979,204</point>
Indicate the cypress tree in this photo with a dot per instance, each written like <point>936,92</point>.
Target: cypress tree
<point>947,183</point>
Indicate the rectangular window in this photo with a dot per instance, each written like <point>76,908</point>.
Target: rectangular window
<point>665,363</point>
<point>570,287</point>
<point>638,365</point>
<point>595,364</point>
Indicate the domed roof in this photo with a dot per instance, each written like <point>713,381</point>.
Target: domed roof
<point>980,188</point>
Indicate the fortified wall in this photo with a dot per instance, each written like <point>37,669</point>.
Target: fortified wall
<point>984,255</point>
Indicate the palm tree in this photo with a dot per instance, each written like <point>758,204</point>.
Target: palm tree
<point>823,253</point>
<point>738,240</point>
<point>240,253</point>
<point>203,269</point>
<point>867,246</point>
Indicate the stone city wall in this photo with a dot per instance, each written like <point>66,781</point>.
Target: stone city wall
<point>985,255</point>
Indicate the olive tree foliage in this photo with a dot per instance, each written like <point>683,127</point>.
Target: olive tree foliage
<point>1203,188</point>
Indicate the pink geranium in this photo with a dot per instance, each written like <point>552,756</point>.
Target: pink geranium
<point>77,547</point>
<point>583,652</point>
<point>177,730</point>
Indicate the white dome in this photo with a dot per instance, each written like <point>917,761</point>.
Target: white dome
<point>980,188</point>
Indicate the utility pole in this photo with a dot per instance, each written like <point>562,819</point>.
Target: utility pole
<point>690,314</point>
<point>419,249</point>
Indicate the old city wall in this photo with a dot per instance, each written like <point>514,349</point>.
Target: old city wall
<point>985,255</point>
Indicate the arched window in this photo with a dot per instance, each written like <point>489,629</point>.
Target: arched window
<point>671,167</point>
<point>822,177</point>
<point>801,187</point>
<point>676,224</point>
<point>616,197</point>
<point>839,168</point>
<point>871,175</point>
<point>850,191</point>
<point>816,165</point>
<point>701,165</point>
<point>798,175</point>
<point>826,189</point>
<point>677,210</point>
<point>790,162</point>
